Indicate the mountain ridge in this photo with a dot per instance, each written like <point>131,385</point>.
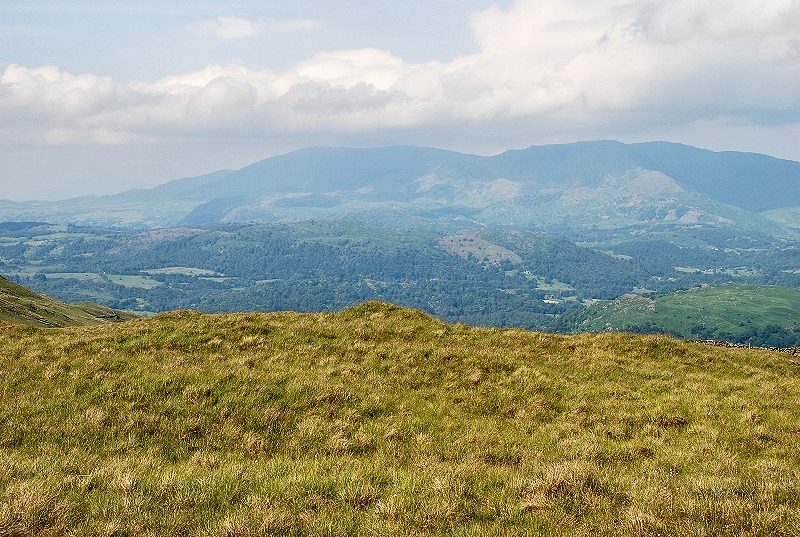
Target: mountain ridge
<point>580,185</point>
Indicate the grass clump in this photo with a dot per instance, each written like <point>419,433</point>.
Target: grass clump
<point>381,420</point>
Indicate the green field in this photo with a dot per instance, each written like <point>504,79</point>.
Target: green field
<point>183,271</point>
<point>133,281</point>
<point>759,314</point>
<point>383,421</point>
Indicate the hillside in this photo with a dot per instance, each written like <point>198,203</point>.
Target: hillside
<point>383,421</point>
<point>584,185</point>
<point>757,314</point>
<point>19,305</point>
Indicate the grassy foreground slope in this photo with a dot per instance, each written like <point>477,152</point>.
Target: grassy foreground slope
<point>763,315</point>
<point>383,421</point>
<point>19,305</point>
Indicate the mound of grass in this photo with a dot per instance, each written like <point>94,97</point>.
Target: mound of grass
<point>383,421</point>
<point>20,305</point>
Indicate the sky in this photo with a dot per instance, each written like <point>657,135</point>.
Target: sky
<point>99,96</point>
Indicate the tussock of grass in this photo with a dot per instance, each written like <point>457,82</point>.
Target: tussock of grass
<point>381,420</point>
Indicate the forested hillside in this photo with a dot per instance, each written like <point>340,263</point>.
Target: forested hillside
<point>496,276</point>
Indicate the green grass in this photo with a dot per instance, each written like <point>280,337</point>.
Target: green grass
<point>134,281</point>
<point>19,305</point>
<point>542,283</point>
<point>184,271</point>
<point>79,276</point>
<point>553,285</point>
<point>746,272</point>
<point>383,421</point>
<point>731,309</point>
<point>140,282</point>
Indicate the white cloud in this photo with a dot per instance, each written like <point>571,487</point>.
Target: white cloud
<point>566,64</point>
<point>233,27</point>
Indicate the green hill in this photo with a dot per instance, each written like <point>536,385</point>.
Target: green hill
<point>384,421</point>
<point>763,315</point>
<point>20,305</point>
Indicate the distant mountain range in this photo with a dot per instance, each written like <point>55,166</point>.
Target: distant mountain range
<point>604,184</point>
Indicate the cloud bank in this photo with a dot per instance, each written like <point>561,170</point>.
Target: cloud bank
<point>566,64</point>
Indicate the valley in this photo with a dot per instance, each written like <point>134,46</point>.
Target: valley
<point>489,276</point>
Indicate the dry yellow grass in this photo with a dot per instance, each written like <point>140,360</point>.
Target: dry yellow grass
<point>382,421</point>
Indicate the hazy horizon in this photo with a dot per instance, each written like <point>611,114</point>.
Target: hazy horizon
<point>208,172</point>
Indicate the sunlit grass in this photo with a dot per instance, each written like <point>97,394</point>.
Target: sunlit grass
<point>382,421</point>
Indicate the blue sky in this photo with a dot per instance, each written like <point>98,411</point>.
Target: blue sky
<point>97,97</point>
<point>147,40</point>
